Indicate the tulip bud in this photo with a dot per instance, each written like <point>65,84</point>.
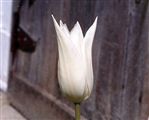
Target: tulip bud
<point>75,72</point>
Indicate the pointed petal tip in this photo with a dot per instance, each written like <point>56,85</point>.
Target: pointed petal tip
<point>96,20</point>
<point>61,23</point>
<point>77,27</point>
<point>57,26</point>
<point>52,16</point>
<point>78,24</point>
<point>91,31</point>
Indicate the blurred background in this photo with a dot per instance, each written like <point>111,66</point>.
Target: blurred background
<point>5,33</point>
<point>28,59</point>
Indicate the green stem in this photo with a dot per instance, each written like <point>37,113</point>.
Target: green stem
<point>77,111</point>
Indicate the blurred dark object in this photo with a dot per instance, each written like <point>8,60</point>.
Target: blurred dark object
<point>31,2</point>
<point>25,43</point>
<point>20,39</point>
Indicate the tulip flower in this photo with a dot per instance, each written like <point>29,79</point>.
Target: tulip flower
<point>75,71</point>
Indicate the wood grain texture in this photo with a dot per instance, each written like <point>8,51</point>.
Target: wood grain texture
<point>120,59</point>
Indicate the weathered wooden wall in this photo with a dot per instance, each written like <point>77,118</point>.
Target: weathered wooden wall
<point>120,60</point>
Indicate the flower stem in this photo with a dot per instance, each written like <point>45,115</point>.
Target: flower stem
<point>77,111</point>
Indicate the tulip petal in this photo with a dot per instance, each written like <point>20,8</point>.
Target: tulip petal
<point>77,35</point>
<point>62,39</point>
<point>88,40</point>
<point>66,31</point>
<point>61,23</point>
<point>89,36</point>
<point>59,31</point>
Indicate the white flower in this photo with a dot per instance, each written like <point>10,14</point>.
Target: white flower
<point>75,72</point>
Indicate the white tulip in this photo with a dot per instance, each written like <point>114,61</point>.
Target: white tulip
<point>75,72</point>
